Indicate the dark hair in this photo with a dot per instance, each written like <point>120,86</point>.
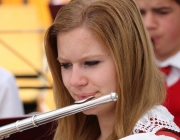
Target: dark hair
<point>178,1</point>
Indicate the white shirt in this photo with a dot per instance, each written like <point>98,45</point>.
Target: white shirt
<point>147,123</point>
<point>10,103</point>
<point>147,136</point>
<point>174,75</point>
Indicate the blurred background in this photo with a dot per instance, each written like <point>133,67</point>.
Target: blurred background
<point>23,24</point>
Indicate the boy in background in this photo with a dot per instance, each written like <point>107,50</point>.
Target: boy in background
<point>162,20</point>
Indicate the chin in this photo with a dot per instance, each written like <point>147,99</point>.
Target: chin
<point>104,109</point>
<point>92,111</point>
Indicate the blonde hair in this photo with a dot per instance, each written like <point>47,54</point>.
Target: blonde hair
<point>140,86</point>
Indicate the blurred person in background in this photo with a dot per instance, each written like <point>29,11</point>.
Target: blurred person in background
<point>57,2</point>
<point>161,18</point>
<point>10,103</point>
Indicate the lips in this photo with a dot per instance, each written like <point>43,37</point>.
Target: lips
<point>84,96</point>
<point>155,39</point>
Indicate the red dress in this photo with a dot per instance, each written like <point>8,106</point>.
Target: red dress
<point>172,102</point>
<point>168,133</point>
<point>172,80</point>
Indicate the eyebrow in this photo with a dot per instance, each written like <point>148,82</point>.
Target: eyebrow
<point>157,9</point>
<point>161,8</point>
<point>85,57</point>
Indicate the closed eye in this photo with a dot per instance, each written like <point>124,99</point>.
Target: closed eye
<point>66,65</point>
<point>91,63</point>
<point>162,10</point>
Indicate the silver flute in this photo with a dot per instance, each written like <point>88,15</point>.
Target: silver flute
<point>36,120</point>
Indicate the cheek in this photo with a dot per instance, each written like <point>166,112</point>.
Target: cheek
<point>173,32</point>
<point>107,79</point>
<point>64,78</point>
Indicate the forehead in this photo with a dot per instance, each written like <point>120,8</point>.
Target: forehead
<point>155,3</point>
<point>82,39</point>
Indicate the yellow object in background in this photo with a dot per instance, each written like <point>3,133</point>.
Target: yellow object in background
<point>22,29</point>
<point>41,6</point>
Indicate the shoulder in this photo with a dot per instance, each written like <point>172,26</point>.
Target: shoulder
<point>148,136</point>
<point>157,115</point>
<point>5,76</point>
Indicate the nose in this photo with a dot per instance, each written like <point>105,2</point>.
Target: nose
<point>78,77</point>
<point>150,21</point>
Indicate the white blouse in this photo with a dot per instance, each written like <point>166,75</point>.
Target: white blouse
<point>154,120</point>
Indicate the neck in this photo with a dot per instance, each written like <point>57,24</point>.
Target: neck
<point>106,125</point>
<point>168,55</point>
